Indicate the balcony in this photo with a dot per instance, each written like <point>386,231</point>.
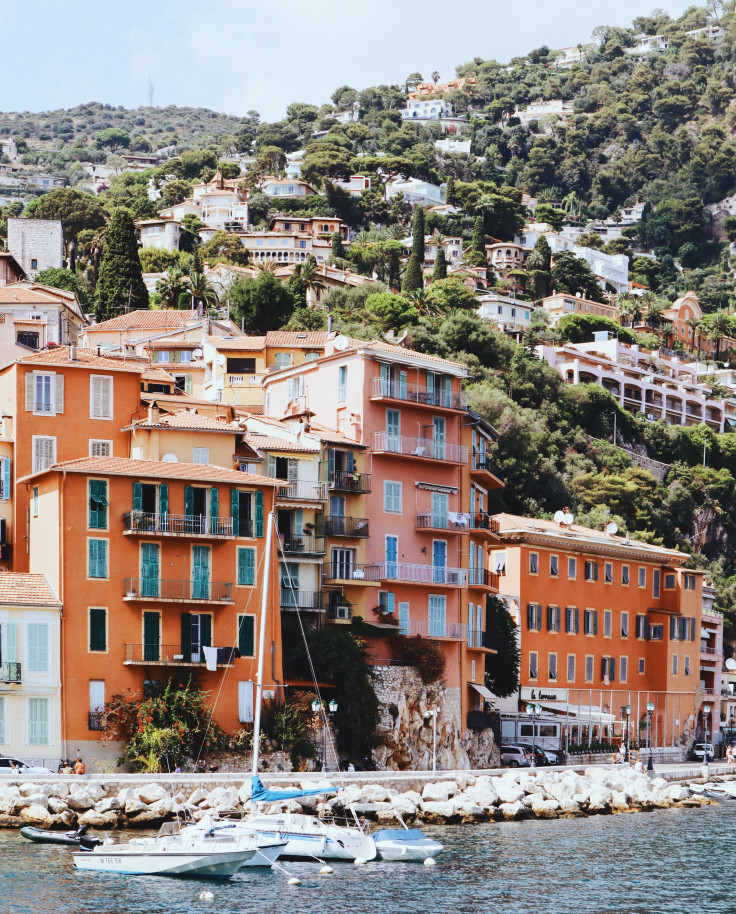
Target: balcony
<point>199,525</point>
<point>482,521</point>
<point>173,655</point>
<point>358,483</point>
<point>352,572</point>
<point>408,573</point>
<point>456,523</point>
<point>481,577</point>
<point>301,599</point>
<point>10,672</point>
<point>424,448</point>
<point>414,393</point>
<point>301,490</point>
<point>306,544</point>
<point>442,630</point>
<point>338,608</point>
<point>96,720</point>
<point>482,464</point>
<point>170,591</point>
<point>345,526</point>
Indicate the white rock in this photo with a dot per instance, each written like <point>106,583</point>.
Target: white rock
<point>677,792</point>
<point>439,810</point>
<point>220,796</point>
<point>619,801</point>
<point>163,807</point>
<point>350,794</point>
<point>38,799</point>
<point>243,792</point>
<point>410,796</point>
<point>9,792</point>
<point>95,791</point>
<point>128,793</point>
<point>57,790</point>
<point>28,790</point>
<point>37,815</point>
<point>439,791</point>
<point>107,804</point>
<point>544,809</point>
<point>600,799</point>
<point>511,810</point>
<point>376,793</point>
<point>197,797</point>
<point>80,800</point>
<point>98,819</point>
<point>57,805</point>
<point>404,806</point>
<point>508,791</point>
<point>134,807</point>
<point>152,793</point>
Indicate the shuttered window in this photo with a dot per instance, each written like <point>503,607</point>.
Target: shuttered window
<point>3,728</point>
<point>392,497</point>
<point>98,629</point>
<point>100,397</point>
<point>99,447</point>
<point>98,504</point>
<point>97,558</point>
<point>247,636</point>
<point>44,453</point>
<point>4,478</point>
<point>259,514</point>
<point>246,566</point>
<point>37,634</point>
<point>437,616</point>
<point>201,455</point>
<point>38,721</point>
<point>44,393</point>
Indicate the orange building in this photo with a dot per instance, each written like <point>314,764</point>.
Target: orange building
<point>156,562</point>
<point>604,622</point>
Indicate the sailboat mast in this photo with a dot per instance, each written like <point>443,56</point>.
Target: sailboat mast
<point>262,641</point>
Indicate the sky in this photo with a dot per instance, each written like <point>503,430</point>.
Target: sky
<point>238,55</point>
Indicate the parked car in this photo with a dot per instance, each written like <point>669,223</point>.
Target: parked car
<point>540,756</point>
<point>15,766</point>
<point>699,751</point>
<point>515,757</point>
<point>548,756</point>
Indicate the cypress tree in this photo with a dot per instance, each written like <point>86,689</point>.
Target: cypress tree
<point>121,275</point>
<point>417,245</point>
<point>413,279</point>
<point>450,191</point>
<point>338,251</point>
<point>479,237</point>
<point>440,265</point>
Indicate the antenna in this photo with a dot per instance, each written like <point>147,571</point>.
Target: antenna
<point>611,528</point>
<point>150,93</point>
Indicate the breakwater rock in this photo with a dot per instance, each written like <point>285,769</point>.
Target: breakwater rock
<point>517,794</point>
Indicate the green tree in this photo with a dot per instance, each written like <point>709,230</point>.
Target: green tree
<point>203,292</point>
<point>322,160</point>
<point>413,278</point>
<point>572,274</point>
<point>262,303</point>
<point>173,288</point>
<point>224,248</point>
<point>61,278</point>
<point>449,294</point>
<point>502,668</point>
<point>440,265</point>
<point>391,312</point>
<point>120,284</point>
<point>338,251</point>
<point>478,243</point>
<point>417,233</point>
<point>112,138</point>
<point>77,211</point>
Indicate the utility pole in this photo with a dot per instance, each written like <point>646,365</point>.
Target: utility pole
<point>150,93</point>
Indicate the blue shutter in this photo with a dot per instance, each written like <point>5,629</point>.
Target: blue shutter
<point>235,511</point>
<point>6,478</point>
<point>214,510</point>
<point>259,514</point>
<point>246,566</point>
<point>163,500</point>
<point>137,496</point>
<point>246,635</point>
<point>189,501</point>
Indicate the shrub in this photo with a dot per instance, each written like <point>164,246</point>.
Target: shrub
<point>424,654</point>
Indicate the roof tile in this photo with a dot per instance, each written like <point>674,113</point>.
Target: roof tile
<point>157,469</point>
<point>143,319</point>
<point>21,589</point>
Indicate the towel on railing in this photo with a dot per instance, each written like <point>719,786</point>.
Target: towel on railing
<point>458,519</point>
<point>210,657</point>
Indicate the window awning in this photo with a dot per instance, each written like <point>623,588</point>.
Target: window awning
<point>432,487</point>
<point>586,712</point>
<point>482,690</point>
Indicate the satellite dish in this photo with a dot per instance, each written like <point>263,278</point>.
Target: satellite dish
<point>611,528</point>
<point>567,519</point>
<point>197,353</point>
<point>340,342</point>
<point>559,517</point>
<point>170,458</point>
<point>221,359</point>
<point>731,664</point>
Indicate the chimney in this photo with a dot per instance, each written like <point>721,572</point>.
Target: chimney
<point>153,413</point>
<point>72,353</point>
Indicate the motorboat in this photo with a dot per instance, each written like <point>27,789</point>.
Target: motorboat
<point>171,853</point>
<point>310,837</point>
<point>405,844</point>
<point>268,848</point>
<point>78,838</point>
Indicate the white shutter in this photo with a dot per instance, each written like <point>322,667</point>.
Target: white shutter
<point>10,649</point>
<point>245,702</point>
<point>30,391</point>
<point>59,393</point>
<point>292,470</point>
<point>38,721</point>
<point>100,397</point>
<point>38,647</point>
<point>44,453</point>
<point>96,694</point>
<point>3,739</point>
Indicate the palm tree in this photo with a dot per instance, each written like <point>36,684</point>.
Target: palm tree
<point>268,265</point>
<point>571,203</point>
<point>627,310</point>
<point>720,327</point>
<point>435,77</point>
<point>171,286</point>
<point>653,310</point>
<point>203,290</point>
<point>694,324</point>
<point>420,300</point>
<point>312,279</point>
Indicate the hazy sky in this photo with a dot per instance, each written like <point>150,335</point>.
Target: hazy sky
<point>237,55</point>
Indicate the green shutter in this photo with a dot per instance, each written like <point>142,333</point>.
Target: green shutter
<point>97,564</point>
<point>214,509</point>
<point>246,566</point>
<point>163,500</point>
<point>259,514</point>
<point>235,511</point>
<point>149,569</point>
<point>246,635</point>
<point>189,501</point>
<point>98,504</point>
<point>137,496</point>
<point>201,573</point>
<point>97,632</point>
<point>186,636</point>
<point>205,633</point>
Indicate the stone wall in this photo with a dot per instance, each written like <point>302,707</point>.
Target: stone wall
<point>406,726</point>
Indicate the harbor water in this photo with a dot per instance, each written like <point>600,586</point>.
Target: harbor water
<point>643,863</point>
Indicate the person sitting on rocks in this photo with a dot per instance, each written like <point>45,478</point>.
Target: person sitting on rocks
<point>66,768</point>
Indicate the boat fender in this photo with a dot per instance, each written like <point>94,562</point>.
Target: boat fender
<point>326,870</point>
<point>430,861</point>
<point>207,895</point>
<point>360,861</point>
<point>294,881</point>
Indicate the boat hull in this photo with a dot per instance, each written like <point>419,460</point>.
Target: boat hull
<point>219,865</point>
<point>406,851</point>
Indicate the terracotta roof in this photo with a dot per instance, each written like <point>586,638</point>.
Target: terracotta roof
<point>380,346</point>
<point>188,419</point>
<point>34,294</point>
<point>86,358</point>
<point>332,437</point>
<point>181,399</point>
<point>297,339</point>
<point>155,469</point>
<point>22,589</point>
<point>172,344</point>
<point>272,443</point>
<point>515,524</point>
<point>167,318</point>
<point>158,374</point>
<point>239,344</point>
<point>254,409</point>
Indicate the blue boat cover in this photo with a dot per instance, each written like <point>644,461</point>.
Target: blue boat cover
<point>399,834</point>
<point>259,794</point>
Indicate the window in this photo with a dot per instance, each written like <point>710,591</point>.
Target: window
<point>655,582</point>
<point>37,634</point>
<point>552,668</point>
<point>100,397</point>
<point>689,582</point>
<point>246,566</point>
<point>44,393</point>
<point>533,563</point>
<point>571,667</point>
<point>686,671</point>
<point>437,616</point>
<point>588,668</point>
<point>642,577</point>
<point>625,575</point>
<point>98,504</point>
<point>533,671</point>
<point>99,447</point>
<point>553,618</point>
<point>591,570</point>
<point>656,632</point>
<point>641,626</point>
<point>283,360</point>
<point>674,664</point>
<point>534,617</point>
<point>499,562</point>
<point>3,737</point>
<point>608,573</point>
<point>342,383</point>
<point>34,508</point>
<point>590,622</point>
<point>572,569</point>
<point>200,455</point>
<point>98,629</point>
<point>294,387</point>
<point>669,582</point>
<point>624,625</point>
<point>554,566</point>
<point>247,636</point>
<point>392,497</point>
<point>44,453</point>
<point>607,622</point>
<point>38,721</point>
<point>97,558</point>
<point>608,670</point>
<point>34,262</point>
<point>641,665</point>
<point>404,618</point>
<point>623,669</point>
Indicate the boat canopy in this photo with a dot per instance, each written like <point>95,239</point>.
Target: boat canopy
<point>260,794</point>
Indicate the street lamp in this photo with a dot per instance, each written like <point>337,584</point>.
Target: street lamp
<point>534,711</point>
<point>432,712</point>
<point>628,716</point>
<point>706,715</point>
<point>650,711</point>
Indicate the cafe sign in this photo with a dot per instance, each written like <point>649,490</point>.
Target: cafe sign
<point>535,694</point>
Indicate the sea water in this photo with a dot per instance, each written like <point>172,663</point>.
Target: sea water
<point>677,860</point>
